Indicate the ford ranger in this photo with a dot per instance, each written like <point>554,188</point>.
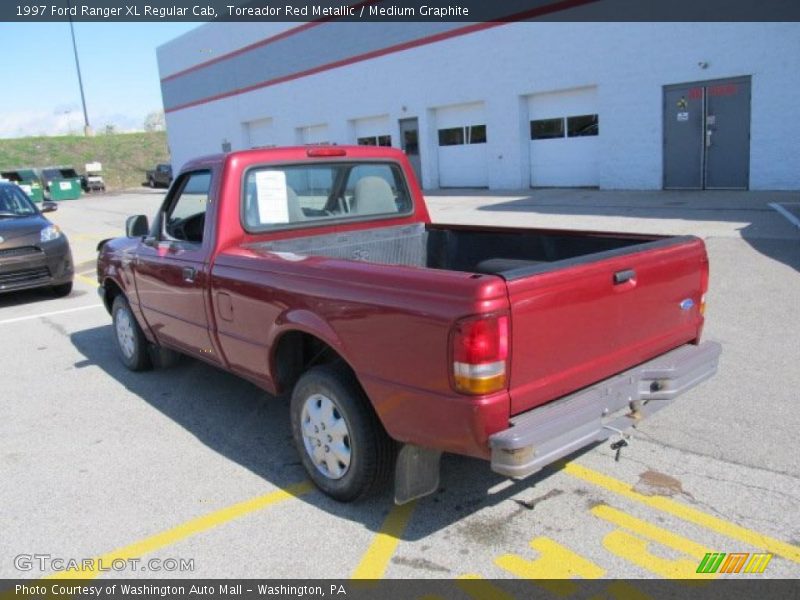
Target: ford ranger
<point>316,272</point>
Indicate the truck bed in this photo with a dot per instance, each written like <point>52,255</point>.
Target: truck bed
<point>510,253</point>
<point>605,301</point>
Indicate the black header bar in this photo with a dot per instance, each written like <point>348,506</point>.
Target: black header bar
<point>466,11</point>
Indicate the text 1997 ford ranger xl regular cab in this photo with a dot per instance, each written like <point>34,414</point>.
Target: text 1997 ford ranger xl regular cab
<point>316,271</point>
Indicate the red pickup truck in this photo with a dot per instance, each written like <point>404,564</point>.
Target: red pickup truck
<point>316,272</point>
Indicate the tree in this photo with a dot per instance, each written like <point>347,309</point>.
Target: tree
<point>154,121</point>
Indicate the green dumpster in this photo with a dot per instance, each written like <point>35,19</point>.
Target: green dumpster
<point>27,180</point>
<point>62,183</point>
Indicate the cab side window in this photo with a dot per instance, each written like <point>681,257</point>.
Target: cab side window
<point>185,218</point>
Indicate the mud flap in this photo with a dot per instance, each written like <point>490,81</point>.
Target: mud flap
<point>416,473</point>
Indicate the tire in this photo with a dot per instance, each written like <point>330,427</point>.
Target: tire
<point>59,291</point>
<point>329,399</point>
<point>132,346</point>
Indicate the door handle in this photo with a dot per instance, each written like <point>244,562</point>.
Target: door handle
<point>708,138</point>
<point>189,274</point>
<point>621,277</point>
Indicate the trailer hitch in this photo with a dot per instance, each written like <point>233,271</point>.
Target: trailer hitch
<point>618,446</point>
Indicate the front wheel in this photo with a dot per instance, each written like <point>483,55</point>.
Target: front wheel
<point>343,446</point>
<point>131,343</point>
<point>59,291</point>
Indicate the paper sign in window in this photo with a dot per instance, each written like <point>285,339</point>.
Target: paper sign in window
<point>273,199</point>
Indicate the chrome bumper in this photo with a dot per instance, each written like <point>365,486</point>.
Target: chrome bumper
<point>550,432</point>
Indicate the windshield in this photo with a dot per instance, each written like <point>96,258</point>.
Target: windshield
<point>14,202</point>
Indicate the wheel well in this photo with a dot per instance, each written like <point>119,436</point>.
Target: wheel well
<point>112,290</point>
<point>296,352</point>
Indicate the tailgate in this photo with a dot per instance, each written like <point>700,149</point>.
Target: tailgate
<point>572,324</point>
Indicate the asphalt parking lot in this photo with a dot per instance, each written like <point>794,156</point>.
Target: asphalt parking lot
<point>195,465</point>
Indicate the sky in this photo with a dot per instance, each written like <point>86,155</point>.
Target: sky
<point>118,66</point>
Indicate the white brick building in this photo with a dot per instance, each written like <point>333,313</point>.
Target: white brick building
<point>619,106</point>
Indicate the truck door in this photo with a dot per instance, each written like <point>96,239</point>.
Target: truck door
<point>171,268</point>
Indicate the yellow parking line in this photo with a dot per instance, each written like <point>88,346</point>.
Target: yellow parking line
<point>636,548</point>
<point>376,559</point>
<point>187,529</point>
<point>88,280</point>
<point>686,513</point>
<point>648,530</point>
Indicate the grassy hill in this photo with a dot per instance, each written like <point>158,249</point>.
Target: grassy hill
<point>125,156</point>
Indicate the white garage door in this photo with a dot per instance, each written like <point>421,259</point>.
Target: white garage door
<point>373,131</point>
<point>564,132</point>
<point>462,145</point>
<point>258,133</point>
<point>313,135</point>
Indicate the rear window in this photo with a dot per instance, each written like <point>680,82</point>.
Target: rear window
<point>283,196</point>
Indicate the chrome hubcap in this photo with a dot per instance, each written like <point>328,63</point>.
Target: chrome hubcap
<point>125,333</point>
<point>325,436</point>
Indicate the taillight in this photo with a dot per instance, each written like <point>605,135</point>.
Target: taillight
<point>703,286</point>
<point>480,354</point>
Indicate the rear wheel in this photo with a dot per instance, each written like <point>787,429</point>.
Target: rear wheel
<point>343,446</point>
<point>131,343</point>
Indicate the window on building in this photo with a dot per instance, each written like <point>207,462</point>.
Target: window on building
<point>375,140</point>
<point>410,141</point>
<point>545,129</point>
<point>453,136</point>
<point>476,134</point>
<point>583,125</point>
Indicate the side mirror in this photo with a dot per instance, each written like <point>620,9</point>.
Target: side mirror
<point>49,207</point>
<point>136,226</point>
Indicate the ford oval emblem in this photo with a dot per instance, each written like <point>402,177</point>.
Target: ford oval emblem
<point>687,304</point>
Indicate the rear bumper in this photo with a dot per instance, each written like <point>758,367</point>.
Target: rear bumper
<point>547,433</point>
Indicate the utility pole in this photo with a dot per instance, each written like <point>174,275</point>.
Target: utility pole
<point>87,130</point>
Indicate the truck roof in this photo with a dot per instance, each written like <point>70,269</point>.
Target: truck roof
<point>297,153</point>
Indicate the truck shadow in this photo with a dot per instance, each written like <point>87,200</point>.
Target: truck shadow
<point>248,426</point>
<point>724,213</point>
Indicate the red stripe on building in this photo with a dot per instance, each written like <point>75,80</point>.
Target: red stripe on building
<point>265,42</point>
<point>423,41</point>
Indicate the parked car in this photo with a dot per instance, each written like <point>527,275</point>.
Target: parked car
<point>28,180</point>
<point>61,183</point>
<point>317,272</point>
<point>33,252</point>
<point>161,176</point>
